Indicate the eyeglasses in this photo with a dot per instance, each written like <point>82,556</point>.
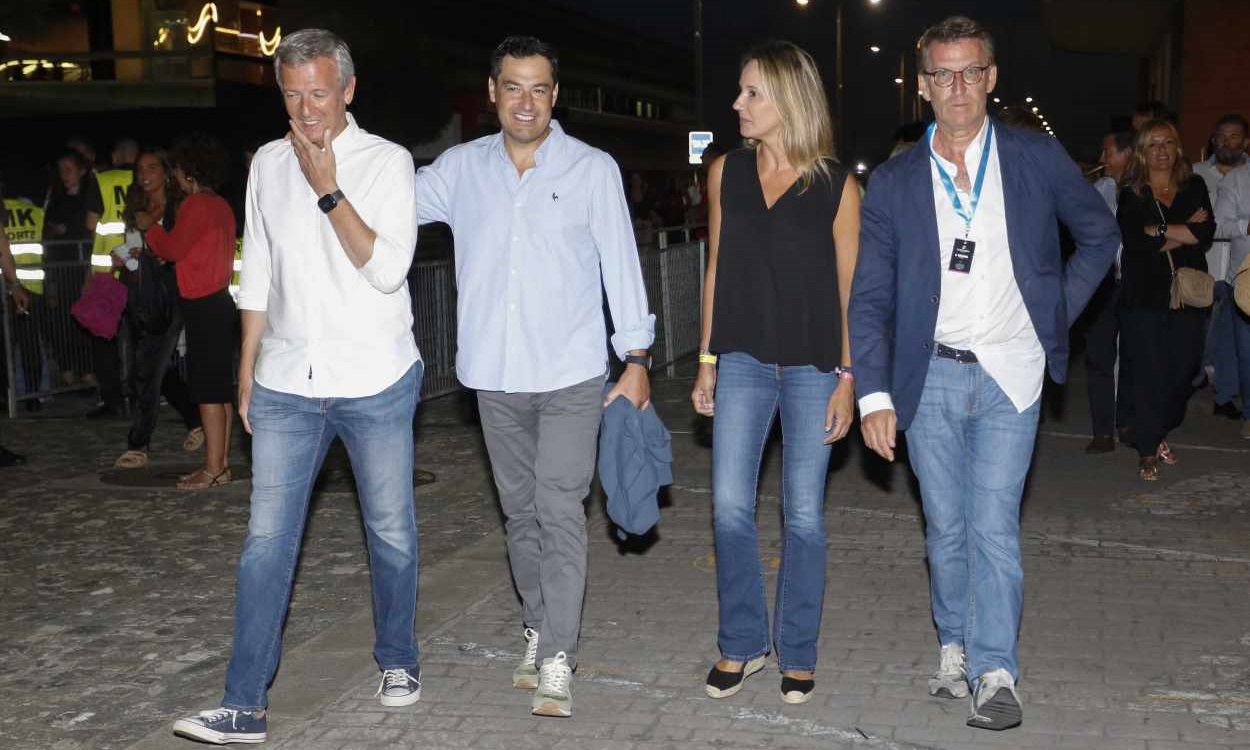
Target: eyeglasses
<point>972,75</point>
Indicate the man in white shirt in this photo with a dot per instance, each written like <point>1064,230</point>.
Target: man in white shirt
<point>1109,406</point>
<point>542,231</point>
<point>1222,352</point>
<point>960,300</point>
<point>327,352</point>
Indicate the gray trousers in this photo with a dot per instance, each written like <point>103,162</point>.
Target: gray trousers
<point>542,454</point>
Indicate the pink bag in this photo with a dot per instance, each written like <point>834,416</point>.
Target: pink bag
<point>100,307</point>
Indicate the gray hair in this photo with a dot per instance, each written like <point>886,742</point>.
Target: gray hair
<point>951,30</point>
<point>306,45</point>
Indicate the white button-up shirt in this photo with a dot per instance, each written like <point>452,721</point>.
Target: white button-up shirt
<point>534,255</point>
<point>331,329</point>
<point>983,310</point>
<point>1232,212</point>
<point>1109,190</point>
<point>1218,255</point>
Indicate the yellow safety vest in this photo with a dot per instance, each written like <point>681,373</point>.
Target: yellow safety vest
<point>24,227</point>
<point>111,229</point>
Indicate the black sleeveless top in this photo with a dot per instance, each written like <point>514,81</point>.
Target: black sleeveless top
<point>776,273</point>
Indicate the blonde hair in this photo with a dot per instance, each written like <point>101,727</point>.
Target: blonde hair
<point>793,83</point>
<point>1137,176</point>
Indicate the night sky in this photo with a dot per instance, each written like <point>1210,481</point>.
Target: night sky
<point>1078,93</point>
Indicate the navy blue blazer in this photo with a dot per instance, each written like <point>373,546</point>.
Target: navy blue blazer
<point>894,297</point>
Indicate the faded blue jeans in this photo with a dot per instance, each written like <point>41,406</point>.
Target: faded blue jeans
<point>971,451</point>
<point>749,395</point>
<point>290,437</point>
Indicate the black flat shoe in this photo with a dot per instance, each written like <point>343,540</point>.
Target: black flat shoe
<point>795,691</point>
<point>1228,410</point>
<point>722,684</point>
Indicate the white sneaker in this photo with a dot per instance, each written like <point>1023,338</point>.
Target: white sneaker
<point>554,696</point>
<point>525,676</point>
<point>996,705</point>
<point>951,679</point>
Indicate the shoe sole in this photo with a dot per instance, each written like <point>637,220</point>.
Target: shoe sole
<point>998,713</point>
<point>946,691</point>
<point>796,697</point>
<point>401,700</point>
<point>748,669</point>
<point>525,681</point>
<point>185,728</point>
<point>553,708</point>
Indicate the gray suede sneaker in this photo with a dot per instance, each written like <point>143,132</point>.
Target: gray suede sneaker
<point>525,676</point>
<point>554,696</point>
<point>951,679</point>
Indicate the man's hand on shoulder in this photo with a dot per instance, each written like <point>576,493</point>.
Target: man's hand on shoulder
<point>880,430</point>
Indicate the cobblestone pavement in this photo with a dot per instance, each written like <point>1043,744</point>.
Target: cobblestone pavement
<point>1136,630</point>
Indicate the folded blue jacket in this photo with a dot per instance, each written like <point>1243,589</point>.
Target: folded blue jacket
<point>635,460</point>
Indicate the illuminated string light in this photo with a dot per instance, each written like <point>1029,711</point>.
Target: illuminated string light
<point>270,46</point>
<point>207,13</point>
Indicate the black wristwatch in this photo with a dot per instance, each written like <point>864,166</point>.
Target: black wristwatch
<point>329,201</point>
<point>1163,230</point>
<point>638,359</point>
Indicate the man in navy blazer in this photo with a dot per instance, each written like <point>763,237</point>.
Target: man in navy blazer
<point>960,300</point>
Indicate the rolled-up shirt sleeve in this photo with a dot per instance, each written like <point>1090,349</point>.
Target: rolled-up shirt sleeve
<point>433,189</point>
<point>619,262</point>
<point>394,223</point>
<point>255,275</point>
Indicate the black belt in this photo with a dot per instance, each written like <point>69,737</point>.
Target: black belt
<point>962,356</point>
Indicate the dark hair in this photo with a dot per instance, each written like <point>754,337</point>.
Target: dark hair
<point>80,161</point>
<point>136,199</point>
<point>713,150</point>
<point>1125,138</point>
<point>523,46</point>
<point>1155,109</point>
<point>1020,116</point>
<point>1234,119</point>
<point>952,29</point>
<point>202,158</point>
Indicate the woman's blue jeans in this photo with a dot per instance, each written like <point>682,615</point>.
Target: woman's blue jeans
<point>749,395</point>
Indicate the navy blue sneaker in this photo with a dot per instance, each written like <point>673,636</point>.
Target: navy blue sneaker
<point>399,687</point>
<point>223,726</point>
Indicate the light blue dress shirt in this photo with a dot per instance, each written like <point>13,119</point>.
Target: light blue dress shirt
<point>534,255</point>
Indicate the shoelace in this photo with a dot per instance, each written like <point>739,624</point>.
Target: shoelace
<point>952,661</point>
<point>531,646</point>
<point>555,675</point>
<point>394,678</point>
<point>216,715</point>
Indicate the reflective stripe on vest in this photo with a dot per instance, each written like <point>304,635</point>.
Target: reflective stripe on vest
<point>110,231</point>
<point>24,227</point>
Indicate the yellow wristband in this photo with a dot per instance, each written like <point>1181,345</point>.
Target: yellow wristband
<point>706,358</point>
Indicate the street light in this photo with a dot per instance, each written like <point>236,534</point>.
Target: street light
<point>874,49</point>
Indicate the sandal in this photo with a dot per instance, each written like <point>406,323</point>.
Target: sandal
<point>132,459</point>
<point>204,479</point>
<point>1148,468</point>
<point>194,440</point>
<point>1166,454</point>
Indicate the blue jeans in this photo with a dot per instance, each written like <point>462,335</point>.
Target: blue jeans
<point>290,437</point>
<point>1229,346</point>
<point>971,451</point>
<point>749,394</point>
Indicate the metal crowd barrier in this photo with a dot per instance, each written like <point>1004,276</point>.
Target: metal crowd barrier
<point>46,342</point>
<point>40,346</point>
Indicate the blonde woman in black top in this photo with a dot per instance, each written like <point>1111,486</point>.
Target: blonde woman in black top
<point>783,238</point>
<point>1164,210</point>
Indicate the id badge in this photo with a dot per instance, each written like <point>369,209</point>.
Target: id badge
<point>961,256</point>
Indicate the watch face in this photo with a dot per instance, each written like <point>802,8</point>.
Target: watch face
<point>327,202</point>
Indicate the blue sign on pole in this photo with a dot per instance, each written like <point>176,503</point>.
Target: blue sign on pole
<point>699,139</point>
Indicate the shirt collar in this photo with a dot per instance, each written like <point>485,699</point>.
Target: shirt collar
<point>972,155</point>
<point>551,145</point>
<point>349,137</point>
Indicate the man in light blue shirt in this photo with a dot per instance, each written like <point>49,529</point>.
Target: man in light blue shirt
<point>542,230</point>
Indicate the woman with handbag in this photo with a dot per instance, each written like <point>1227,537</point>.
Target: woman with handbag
<point>1167,225</point>
<point>152,304</point>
